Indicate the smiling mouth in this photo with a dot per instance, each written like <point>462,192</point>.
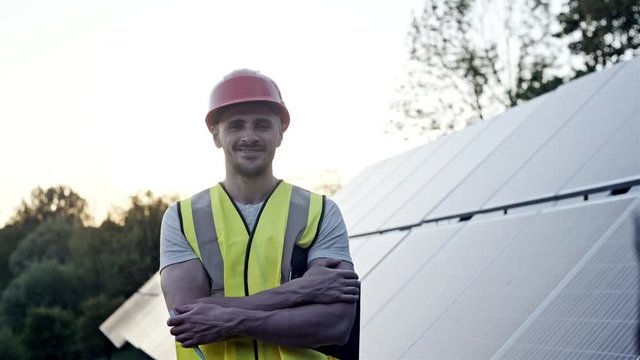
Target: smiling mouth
<point>249,150</point>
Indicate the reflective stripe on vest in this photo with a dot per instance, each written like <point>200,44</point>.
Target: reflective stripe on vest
<point>242,261</point>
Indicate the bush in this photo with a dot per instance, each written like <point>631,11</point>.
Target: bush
<point>50,334</point>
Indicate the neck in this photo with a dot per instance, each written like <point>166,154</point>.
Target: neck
<point>249,190</point>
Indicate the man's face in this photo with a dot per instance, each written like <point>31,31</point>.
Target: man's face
<point>249,135</point>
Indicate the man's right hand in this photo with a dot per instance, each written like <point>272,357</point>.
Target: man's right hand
<point>329,281</point>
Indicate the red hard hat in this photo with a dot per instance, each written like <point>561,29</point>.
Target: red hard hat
<point>244,86</point>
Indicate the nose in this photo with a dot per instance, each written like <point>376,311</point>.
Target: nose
<point>249,136</point>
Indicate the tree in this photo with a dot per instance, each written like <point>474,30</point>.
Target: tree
<point>50,332</point>
<point>59,201</point>
<point>603,32</point>
<point>43,205</point>
<point>138,247</point>
<point>462,69</point>
<point>10,345</point>
<point>48,241</point>
<point>94,311</point>
<point>97,258</point>
<point>10,237</point>
<point>45,284</point>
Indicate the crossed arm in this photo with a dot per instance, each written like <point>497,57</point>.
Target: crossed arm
<point>314,310</point>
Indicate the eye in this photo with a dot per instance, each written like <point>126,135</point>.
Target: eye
<point>234,125</point>
<point>263,124</point>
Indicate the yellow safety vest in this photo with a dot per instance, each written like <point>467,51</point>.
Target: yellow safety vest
<point>242,261</point>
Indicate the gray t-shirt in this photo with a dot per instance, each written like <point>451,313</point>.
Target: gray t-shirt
<point>332,241</point>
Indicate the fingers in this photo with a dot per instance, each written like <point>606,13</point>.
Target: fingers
<point>329,263</point>
<point>348,274</point>
<point>351,283</point>
<point>178,317</point>
<point>186,340</point>
<point>345,274</point>
<point>182,334</point>
<point>175,321</point>
<point>181,309</point>
<point>349,298</point>
<point>351,291</point>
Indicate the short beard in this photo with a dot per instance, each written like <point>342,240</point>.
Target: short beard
<point>251,172</point>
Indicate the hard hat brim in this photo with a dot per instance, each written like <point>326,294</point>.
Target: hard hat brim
<point>213,116</point>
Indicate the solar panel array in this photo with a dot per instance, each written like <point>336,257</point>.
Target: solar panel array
<point>512,239</point>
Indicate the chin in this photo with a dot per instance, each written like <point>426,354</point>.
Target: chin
<point>251,172</point>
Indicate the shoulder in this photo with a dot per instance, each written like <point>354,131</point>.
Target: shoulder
<point>174,247</point>
<point>331,208</point>
<point>332,218</point>
<point>332,240</point>
<point>171,216</point>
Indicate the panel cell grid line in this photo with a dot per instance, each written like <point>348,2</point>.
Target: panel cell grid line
<point>596,314</point>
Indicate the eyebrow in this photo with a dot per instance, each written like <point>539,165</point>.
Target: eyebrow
<point>260,120</point>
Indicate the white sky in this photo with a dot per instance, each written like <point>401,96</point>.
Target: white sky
<point>109,97</point>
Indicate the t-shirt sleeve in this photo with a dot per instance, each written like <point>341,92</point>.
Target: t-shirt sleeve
<point>332,241</point>
<point>174,247</point>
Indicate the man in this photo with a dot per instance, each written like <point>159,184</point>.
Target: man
<point>255,268</point>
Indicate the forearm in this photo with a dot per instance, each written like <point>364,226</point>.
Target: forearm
<point>281,297</point>
<point>307,326</point>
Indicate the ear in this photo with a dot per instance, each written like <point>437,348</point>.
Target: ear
<point>216,135</point>
<point>281,131</point>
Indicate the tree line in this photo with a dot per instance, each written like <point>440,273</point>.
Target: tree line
<point>471,59</point>
<point>60,278</point>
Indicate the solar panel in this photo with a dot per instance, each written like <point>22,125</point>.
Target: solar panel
<point>482,145</point>
<point>374,250</point>
<point>342,196</point>
<point>576,142</point>
<point>516,282</point>
<point>394,200</point>
<point>392,273</point>
<point>594,314</point>
<point>141,321</point>
<point>470,298</point>
<point>488,178</point>
<point>617,159</point>
<point>418,299</point>
<point>350,205</point>
<point>375,199</point>
<point>356,243</point>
